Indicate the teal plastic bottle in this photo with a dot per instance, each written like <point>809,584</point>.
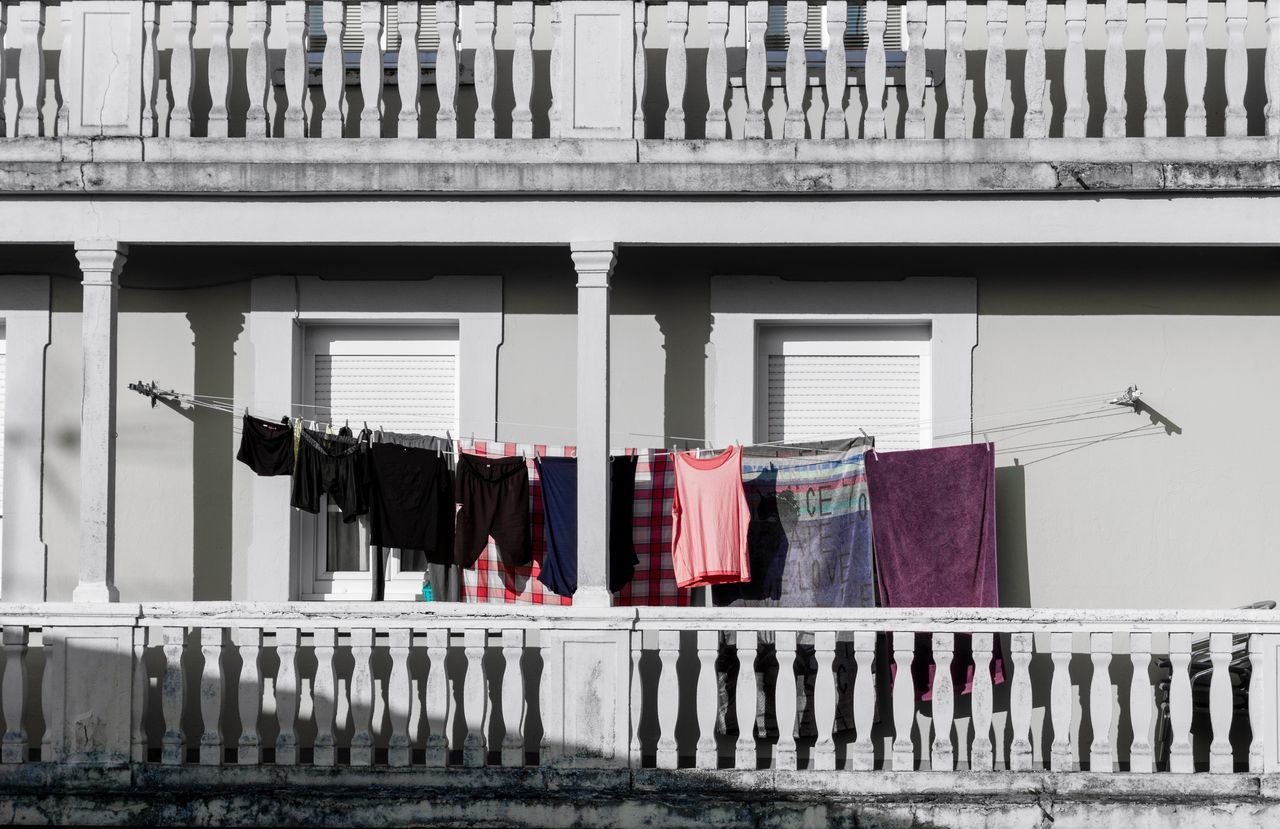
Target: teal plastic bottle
<point>426,590</point>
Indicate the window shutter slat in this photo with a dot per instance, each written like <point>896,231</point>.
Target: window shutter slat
<point>405,393</point>
<point>813,29</point>
<point>825,396</point>
<point>352,34</point>
<point>776,38</point>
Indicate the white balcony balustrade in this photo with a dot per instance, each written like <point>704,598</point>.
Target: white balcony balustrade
<point>305,685</point>
<point>702,69</point>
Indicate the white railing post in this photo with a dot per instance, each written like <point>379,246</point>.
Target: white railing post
<point>437,698</point>
<point>211,640</point>
<point>862,752</point>
<point>1100,647</point>
<point>257,78</point>
<point>1062,752</point>
<point>476,698</point>
<point>486,67</point>
<point>220,68</point>
<point>1115,69</point>
<point>873,125</point>
<point>295,68</point>
<point>182,67</point>
<point>1074,89</point>
<point>13,746</point>
<point>361,690</point>
<point>994,122</point>
<point>141,696</point>
<point>408,70</point>
<point>635,647</point>
<point>1196,68</point>
<point>447,58</point>
<point>957,12</point>
<point>513,699</point>
<point>52,673</point>
<point>745,701</point>
<point>324,692</point>
<point>677,67</point>
<point>4,26</point>
<point>66,17</point>
<point>837,70</point>
<point>173,697</point>
<point>522,69</point>
<point>1221,760</point>
<point>981,755</point>
<point>668,698</point>
<point>717,68</point>
<point>1141,752</point>
<point>286,696</point>
<point>706,756</point>
<point>757,67</point>
<point>904,701</point>
<point>1155,69</point>
<point>641,66</point>
<point>249,747</point>
<point>797,75</point>
<point>1181,760</point>
<point>824,700</point>
<point>1034,123</point>
<point>371,68</point>
<point>399,699</point>
<point>1021,644</point>
<point>784,752</point>
<point>1258,696</point>
<point>943,755</point>
<point>333,70</point>
<point>1236,67</point>
<point>917,13</point>
<point>1271,67</point>
<point>31,14</point>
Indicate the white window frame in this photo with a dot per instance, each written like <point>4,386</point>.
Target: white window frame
<point>843,340</point>
<point>316,582</point>
<point>741,306</point>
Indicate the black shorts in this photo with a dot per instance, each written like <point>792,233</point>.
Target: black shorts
<point>412,506</point>
<point>494,498</point>
<point>266,446</point>
<point>333,466</point>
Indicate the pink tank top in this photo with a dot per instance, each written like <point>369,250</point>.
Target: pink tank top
<point>709,520</point>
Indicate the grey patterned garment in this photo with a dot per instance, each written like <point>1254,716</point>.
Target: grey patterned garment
<point>446,580</point>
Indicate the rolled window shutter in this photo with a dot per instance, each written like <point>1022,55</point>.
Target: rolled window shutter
<point>775,33</point>
<point>398,392</point>
<point>391,25</point>
<point>428,31</point>
<point>776,38</point>
<point>827,396</point>
<point>315,29</point>
<point>352,34</point>
<point>813,29</point>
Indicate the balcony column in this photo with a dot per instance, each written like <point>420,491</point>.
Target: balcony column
<point>594,263</point>
<point>100,264</point>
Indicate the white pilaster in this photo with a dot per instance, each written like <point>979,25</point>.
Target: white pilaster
<point>594,263</point>
<point>100,264</point>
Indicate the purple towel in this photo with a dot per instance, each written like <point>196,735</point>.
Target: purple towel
<point>934,523</point>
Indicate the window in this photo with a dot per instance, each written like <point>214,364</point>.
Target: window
<point>398,378</point>
<point>817,39</point>
<point>826,381</point>
<point>353,36</point>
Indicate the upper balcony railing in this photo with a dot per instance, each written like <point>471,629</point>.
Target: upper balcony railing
<point>712,69</point>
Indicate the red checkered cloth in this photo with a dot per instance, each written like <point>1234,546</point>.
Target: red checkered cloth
<point>654,582</point>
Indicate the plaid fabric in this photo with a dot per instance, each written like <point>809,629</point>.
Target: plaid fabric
<point>654,583</point>
<point>492,581</point>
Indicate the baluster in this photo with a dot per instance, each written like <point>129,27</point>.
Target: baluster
<point>52,645</point>
<point>1196,67</point>
<point>286,697</point>
<point>824,701</point>
<point>1021,644</point>
<point>399,698</point>
<point>668,698</point>
<point>877,20</point>
<point>837,72</point>
<point>797,78</point>
<point>66,17</point>
<point>706,696</point>
<point>943,756</point>
<point>211,640</point>
<point>1076,118</point>
<point>1141,754</point>
<point>361,697</point>
<point>295,68</point>
<point>1271,70</point>
<point>181,67</point>
<point>408,63</point>
<point>1115,69</point>
<point>485,67</point>
<point>862,752</point>
<point>1220,699</point>
<point>717,68</point>
<point>141,693</point>
<point>249,641</point>
<point>13,746</point>
<point>173,695</point>
<point>784,758</point>
<point>981,755</point>
<point>1257,719</point>
<point>333,71</point>
<point>522,70</point>
<point>1034,123</point>
<point>677,67</point>
<point>904,702</point>
<point>475,698</point>
<point>1155,69</point>
<point>4,26</point>
<point>1236,68</point>
<point>746,700</point>
<point>219,68</point>
<point>637,700</point>
<point>1100,646</point>
<point>757,67</point>
<point>371,68</point>
<point>1062,753</point>
<point>1181,760</point>
<point>436,699</point>
<point>325,701</point>
<point>641,67</point>
<point>256,78</point>
<point>30,67</point>
<point>994,123</point>
<point>917,13</point>
<point>956,15</point>
<point>447,68</point>
<point>513,698</point>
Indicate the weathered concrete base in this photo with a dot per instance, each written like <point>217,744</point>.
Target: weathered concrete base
<point>39,794</point>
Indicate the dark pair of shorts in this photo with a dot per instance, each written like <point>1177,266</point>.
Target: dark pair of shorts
<point>335,466</point>
<point>493,494</point>
<point>266,446</point>
<point>412,505</point>
<point>559,484</point>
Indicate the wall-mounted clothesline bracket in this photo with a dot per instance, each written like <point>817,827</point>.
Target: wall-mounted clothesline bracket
<point>1131,398</point>
<point>152,391</point>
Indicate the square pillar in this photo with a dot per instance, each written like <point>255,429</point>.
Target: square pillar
<point>100,264</point>
<point>594,263</point>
